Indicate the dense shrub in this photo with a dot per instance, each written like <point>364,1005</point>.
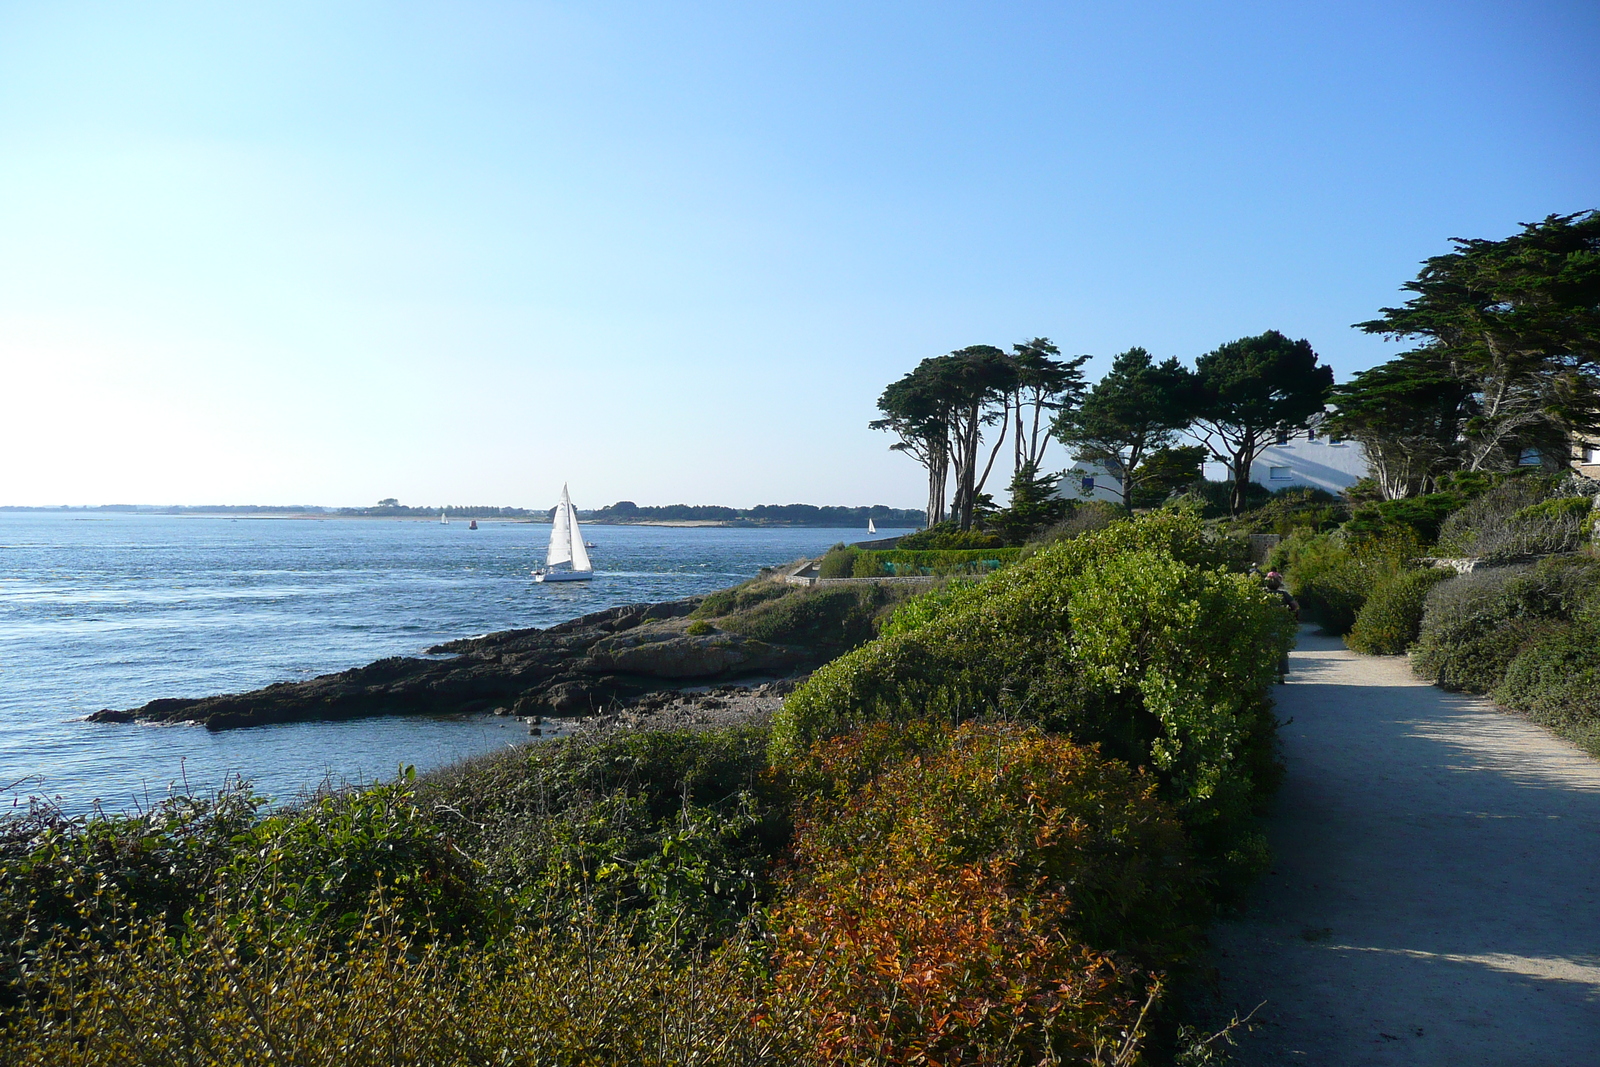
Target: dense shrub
<point>1556,680</point>
<point>1474,625</point>
<point>1084,518</point>
<point>742,597</point>
<point>1477,624</point>
<point>1419,516</point>
<point>947,535</point>
<point>828,619</point>
<point>902,563</point>
<point>85,875</point>
<point>1292,509</point>
<point>1390,620</point>
<point>1129,638</point>
<point>1521,517</point>
<point>313,867</point>
<point>1332,575</point>
<point>229,994</point>
<point>1213,500</point>
<point>957,902</point>
<point>838,562</point>
<point>671,830</point>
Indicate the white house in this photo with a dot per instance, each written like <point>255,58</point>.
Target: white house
<point>1318,462</point>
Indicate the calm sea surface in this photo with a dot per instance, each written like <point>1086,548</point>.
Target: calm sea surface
<point>101,611</point>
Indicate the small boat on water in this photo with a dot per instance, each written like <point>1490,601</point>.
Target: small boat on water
<point>473,525</point>
<point>567,559</point>
<point>442,520</point>
<point>872,527</point>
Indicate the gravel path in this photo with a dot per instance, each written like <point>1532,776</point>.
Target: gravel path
<point>1435,897</point>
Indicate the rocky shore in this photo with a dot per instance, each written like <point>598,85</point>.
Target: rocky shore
<point>601,668</point>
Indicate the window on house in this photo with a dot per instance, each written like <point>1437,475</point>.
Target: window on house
<point>1591,453</point>
<point>1088,483</point>
<point>1283,437</point>
<point>1279,474</point>
<point>1311,433</point>
<point>1335,439</point>
<point>1530,458</point>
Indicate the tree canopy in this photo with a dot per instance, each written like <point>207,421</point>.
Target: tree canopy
<point>1407,414</point>
<point>1250,392</point>
<point>1134,410</point>
<point>1518,321</point>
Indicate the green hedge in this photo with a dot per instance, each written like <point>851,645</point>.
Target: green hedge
<point>902,563</point>
<point>1333,575</point>
<point>847,561</point>
<point>1475,625</point>
<point>1133,638</point>
<point>1556,681</point>
<point>1390,620</point>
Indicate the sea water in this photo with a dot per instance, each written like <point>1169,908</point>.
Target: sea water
<point>103,610</point>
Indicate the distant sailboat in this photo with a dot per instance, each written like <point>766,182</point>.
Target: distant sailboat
<point>566,547</point>
<point>442,520</point>
<point>872,527</point>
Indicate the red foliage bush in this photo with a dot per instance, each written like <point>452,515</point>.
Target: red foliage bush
<point>967,903</point>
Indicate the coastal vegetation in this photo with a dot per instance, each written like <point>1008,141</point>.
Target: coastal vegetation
<point>992,824</point>
<point>989,834</point>
<point>1518,626</point>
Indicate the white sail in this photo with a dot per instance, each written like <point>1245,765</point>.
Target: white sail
<point>580,554</point>
<point>871,527</point>
<point>560,533</point>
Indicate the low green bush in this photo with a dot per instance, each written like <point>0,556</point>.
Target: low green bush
<point>1332,575</point>
<point>1390,620</point>
<point>1420,516</point>
<point>838,562</point>
<point>668,830</point>
<point>1526,516</point>
<point>829,619</point>
<point>1131,638</point>
<point>1476,624</point>
<point>1289,510</point>
<point>230,992</point>
<point>946,535</point>
<point>741,598</point>
<point>901,562</point>
<point>1213,500</point>
<point>1084,518</point>
<point>1555,679</point>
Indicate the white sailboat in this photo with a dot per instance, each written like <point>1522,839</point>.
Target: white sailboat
<point>442,520</point>
<point>872,527</point>
<point>566,548</point>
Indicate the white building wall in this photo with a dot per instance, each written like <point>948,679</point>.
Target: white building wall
<point>1106,487</point>
<point>1318,463</point>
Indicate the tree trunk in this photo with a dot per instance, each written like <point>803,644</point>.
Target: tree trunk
<point>1243,459</point>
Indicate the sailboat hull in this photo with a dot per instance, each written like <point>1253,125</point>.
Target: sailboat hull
<point>563,576</point>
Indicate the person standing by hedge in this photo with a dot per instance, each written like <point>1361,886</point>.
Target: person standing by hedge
<point>1274,583</point>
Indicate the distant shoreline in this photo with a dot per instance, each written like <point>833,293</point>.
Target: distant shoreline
<point>314,516</point>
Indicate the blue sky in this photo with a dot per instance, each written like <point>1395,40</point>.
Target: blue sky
<point>326,253</point>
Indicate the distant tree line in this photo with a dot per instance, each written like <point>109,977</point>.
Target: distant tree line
<point>1508,366</point>
<point>391,508</point>
<point>626,511</point>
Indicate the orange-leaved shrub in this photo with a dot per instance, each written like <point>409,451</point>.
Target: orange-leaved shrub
<point>995,895</point>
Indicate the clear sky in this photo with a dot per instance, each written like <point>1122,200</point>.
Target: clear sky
<point>462,252</point>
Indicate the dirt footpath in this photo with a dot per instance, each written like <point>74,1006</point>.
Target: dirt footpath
<point>1435,897</point>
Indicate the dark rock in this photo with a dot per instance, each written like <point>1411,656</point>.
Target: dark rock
<point>583,667</point>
